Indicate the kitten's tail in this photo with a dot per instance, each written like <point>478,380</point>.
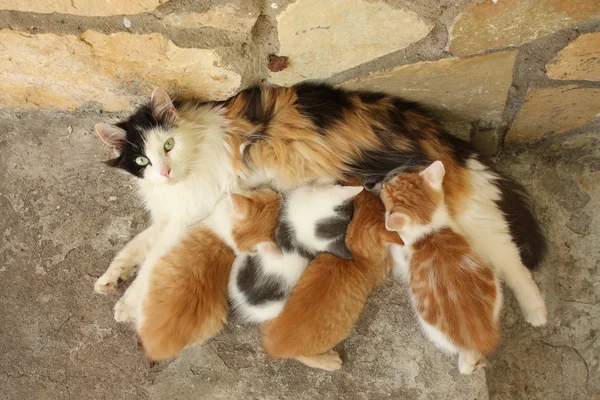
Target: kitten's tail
<point>187,297</point>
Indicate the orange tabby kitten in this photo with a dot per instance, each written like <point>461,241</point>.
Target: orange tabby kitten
<point>456,294</point>
<point>327,300</point>
<point>186,301</point>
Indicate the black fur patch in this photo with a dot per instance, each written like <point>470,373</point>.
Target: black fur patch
<point>339,249</point>
<point>334,228</point>
<point>371,97</point>
<point>255,109</point>
<point>256,285</point>
<point>525,229</point>
<point>374,165</point>
<point>322,104</point>
<point>399,119</point>
<point>135,126</point>
<point>285,237</point>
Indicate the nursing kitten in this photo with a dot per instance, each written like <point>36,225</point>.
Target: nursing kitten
<point>186,300</point>
<point>313,132</point>
<point>455,293</point>
<point>329,296</point>
<point>262,278</point>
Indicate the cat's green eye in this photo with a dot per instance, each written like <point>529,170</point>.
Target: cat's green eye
<point>169,144</point>
<point>142,161</point>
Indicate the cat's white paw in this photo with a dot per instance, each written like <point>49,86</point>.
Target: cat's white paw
<point>105,283</point>
<point>125,310</point>
<point>328,361</point>
<point>469,362</point>
<point>536,314</point>
<point>115,272</point>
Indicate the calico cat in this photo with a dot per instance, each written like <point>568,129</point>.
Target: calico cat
<point>326,302</point>
<point>262,278</point>
<point>169,156</point>
<point>186,299</point>
<point>455,293</point>
<point>313,132</point>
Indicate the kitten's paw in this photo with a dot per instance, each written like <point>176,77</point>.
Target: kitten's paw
<point>124,310</point>
<point>469,362</point>
<point>536,314</point>
<point>328,361</point>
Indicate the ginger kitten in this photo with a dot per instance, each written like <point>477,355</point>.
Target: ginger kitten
<point>186,299</point>
<point>455,293</point>
<point>329,296</point>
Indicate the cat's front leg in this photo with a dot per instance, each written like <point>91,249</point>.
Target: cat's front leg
<point>126,262</point>
<point>126,308</point>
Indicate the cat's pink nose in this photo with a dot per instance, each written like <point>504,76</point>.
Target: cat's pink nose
<point>166,173</point>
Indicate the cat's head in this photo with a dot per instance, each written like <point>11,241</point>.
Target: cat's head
<point>151,144</point>
<point>315,218</point>
<point>411,199</point>
<point>254,221</point>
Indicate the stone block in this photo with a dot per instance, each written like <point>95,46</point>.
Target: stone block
<point>63,72</point>
<point>82,7</point>
<point>580,60</point>
<point>322,38</point>
<point>488,24</point>
<point>551,111</point>
<point>226,17</point>
<point>457,89</point>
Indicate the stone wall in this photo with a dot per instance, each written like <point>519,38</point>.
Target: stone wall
<point>518,71</point>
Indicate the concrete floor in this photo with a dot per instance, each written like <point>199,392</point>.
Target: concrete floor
<point>63,216</point>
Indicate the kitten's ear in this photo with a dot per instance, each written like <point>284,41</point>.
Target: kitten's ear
<point>112,135</point>
<point>162,106</point>
<point>391,237</point>
<point>396,221</point>
<point>270,249</point>
<point>434,174</point>
<point>240,205</point>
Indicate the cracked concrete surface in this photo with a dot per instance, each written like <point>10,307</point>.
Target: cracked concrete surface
<point>63,216</point>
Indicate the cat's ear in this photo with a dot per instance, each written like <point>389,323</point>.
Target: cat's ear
<point>391,237</point>
<point>240,205</point>
<point>162,106</point>
<point>396,221</point>
<point>434,175</point>
<point>270,249</point>
<point>112,135</point>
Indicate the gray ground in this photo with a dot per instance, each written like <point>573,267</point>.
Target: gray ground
<point>63,215</point>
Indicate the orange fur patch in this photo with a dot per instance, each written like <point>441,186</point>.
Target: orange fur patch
<point>327,300</point>
<point>260,221</point>
<point>187,295</point>
<point>455,291</point>
<point>409,194</point>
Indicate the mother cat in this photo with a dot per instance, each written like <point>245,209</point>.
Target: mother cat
<point>188,154</point>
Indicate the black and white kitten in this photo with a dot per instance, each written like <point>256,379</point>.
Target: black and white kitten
<point>311,219</point>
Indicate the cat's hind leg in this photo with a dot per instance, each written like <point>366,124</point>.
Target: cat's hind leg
<point>470,361</point>
<point>125,263</point>
<point>328,361</point>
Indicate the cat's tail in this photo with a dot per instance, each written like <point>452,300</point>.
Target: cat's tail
<point>525,229</point>
<point>186,301</point>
